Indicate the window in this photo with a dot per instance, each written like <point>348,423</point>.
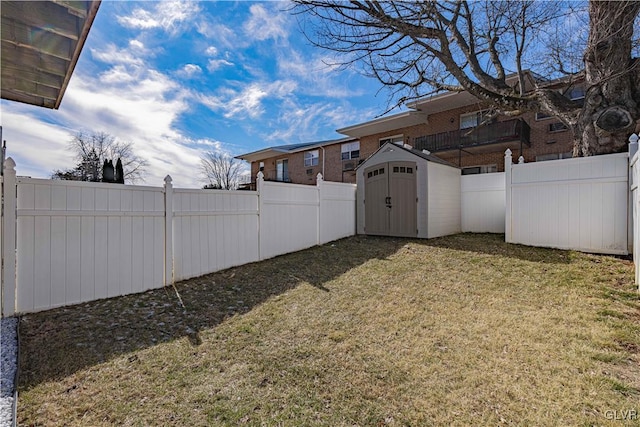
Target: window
<point>542,116</point>
<point>375,173</point>
<point>350,150</point>
<point>282,170</point>
<point>396,139</point>
<point>402,169</point>
<point>575,93</point>
<point>311,158</point>
<point>473,170</point>
<point>557,127</point>
<point>471,120</point>
<point>553,156</point>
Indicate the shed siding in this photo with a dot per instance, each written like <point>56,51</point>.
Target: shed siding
<point>360,201</point>
<point>422,190</point>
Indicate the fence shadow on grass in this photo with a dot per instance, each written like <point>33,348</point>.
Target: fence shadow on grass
<point>59,342</point>
<point>494,244</point>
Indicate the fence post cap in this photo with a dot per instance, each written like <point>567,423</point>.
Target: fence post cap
<point>260,176</point>
<point>507,153</point>
<point>319,177</point>
<point>520,159</point>
<point>10,163</point>
<point>168,179</point>
<point>633,138</point>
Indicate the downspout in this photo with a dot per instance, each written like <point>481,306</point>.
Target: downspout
<point>323,156</point>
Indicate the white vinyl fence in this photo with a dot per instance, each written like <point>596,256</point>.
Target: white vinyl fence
<point>289,218</point>
<point>634,202</point>
<point>579,203</point>
<point>483,203</point>
<point>66,242</point>
<point>78,242</point>
<point>213,230</point>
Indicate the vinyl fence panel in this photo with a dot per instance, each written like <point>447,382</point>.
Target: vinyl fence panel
<point>483,203</point>
<point>579,203</point>
<point>289,218</point>
<point>337,210</point>
<point>443,200</point>
<point>213,230</point>
<point>80,241</point>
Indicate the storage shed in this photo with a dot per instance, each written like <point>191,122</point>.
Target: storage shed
<point>407,192</point>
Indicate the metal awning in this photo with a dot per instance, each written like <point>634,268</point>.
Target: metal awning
<point>41,44</point>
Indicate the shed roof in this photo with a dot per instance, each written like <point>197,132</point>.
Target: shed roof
<point>41,44</point>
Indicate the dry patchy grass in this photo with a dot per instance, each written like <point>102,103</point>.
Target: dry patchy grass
<point>462,330</point>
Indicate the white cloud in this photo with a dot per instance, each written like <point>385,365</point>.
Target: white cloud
<point>265,24</point>
<point>140,18</point>
<point>318,75</point>
<point>248,102</point>
<point>28,138</point>
<point>130,99</point>
<point>304,122</point>
<point>215,64</point>
<point>143,109</point>
<point>225,36</point>
<point>299,123</point>
<point>189,70</point>
<point>112,55</point>
<point>207,144</point>
<point>167,15</point>
<point>118,74</point>
<point>137,45</point>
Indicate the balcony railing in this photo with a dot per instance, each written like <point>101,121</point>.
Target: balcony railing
<point>516,130</point>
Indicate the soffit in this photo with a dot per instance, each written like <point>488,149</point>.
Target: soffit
<point>41,44</point>
<point>385,124</point>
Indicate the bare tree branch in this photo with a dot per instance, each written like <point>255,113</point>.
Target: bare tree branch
<point>91,149</point>
<point>221,171</point>
<point>412,48</point>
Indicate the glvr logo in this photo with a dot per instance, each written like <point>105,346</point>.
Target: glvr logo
<point>621,415</point>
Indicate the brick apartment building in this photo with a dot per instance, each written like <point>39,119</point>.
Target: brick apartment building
<point>446,125</point>
<point>301,163</point>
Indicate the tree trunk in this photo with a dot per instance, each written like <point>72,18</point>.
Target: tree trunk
<point>612,80</point>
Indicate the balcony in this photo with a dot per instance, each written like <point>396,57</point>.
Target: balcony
<point>515,130</point>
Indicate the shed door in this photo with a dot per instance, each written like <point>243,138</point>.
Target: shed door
<point>390,199</point>
<point>404,207</point>
<point>375,197</point>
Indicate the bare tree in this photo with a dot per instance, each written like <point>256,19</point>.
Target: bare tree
<point>419,48</point>
<point>92,149</point>
<point>221,171</point>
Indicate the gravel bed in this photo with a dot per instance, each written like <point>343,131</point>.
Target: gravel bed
<point>8,366</point>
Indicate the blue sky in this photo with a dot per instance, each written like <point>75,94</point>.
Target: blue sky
<point>180,78</point>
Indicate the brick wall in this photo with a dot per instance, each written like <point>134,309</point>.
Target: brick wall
<point>299,174</point>
<point>542,140</point>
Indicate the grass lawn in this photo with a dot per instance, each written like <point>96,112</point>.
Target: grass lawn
<point>463,330</point>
